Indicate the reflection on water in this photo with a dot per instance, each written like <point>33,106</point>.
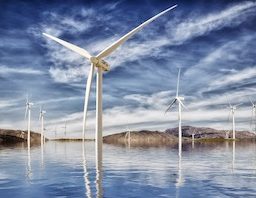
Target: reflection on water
<point>86,174</point>
<point>74,169</point>
<point>233,155</point>
<point>29,170</point>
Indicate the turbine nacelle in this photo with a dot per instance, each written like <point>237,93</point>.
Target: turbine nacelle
<point>29,104</point>
<point>100,63</point>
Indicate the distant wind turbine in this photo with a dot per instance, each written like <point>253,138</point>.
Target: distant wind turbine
<point>65,129</point>
<point>232,111</point>
<point>28,115</point>
<point>41,118</point>
<point>97,61</point>
<point>180,104</point>
<point>253,118</point>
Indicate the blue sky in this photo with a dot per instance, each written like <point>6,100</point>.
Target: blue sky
<point>213,43</point>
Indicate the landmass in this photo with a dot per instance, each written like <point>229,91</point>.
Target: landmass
<point>169,137</point>
<point>16,136</point>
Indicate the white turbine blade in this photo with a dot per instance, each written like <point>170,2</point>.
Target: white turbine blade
<point>182,104</point>
<point>26,111</point>
<point>70,46</point>
<point>230,105</point>
<point>251,101</point>
<point>178,83</point>
<point>172,103</point>
<point>119,42</point>
<point>87,95</point>
<point>251,122</point>
<point>238,105</point>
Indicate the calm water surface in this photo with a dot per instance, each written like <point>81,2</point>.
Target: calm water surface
<point>71,169</point>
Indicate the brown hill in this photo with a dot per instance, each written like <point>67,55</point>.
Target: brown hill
<point>14,136</point>
<point>141,138</point>
<point>204,132</point>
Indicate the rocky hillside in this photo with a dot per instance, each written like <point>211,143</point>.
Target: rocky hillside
<point>170,136</point>
<point>14,136</point>
<point>203,132</point>
<point>141,138</point>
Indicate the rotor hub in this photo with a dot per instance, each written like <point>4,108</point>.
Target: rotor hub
<point>100,63</point>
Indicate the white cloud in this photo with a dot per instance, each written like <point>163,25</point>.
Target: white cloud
<point>21,70</point>
<point>64,60</point>
<point>235,77</point>
<point>202,25</point>
<point>153,117</point>
<point>8,103</point>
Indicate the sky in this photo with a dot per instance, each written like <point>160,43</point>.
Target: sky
<point>213,43</point>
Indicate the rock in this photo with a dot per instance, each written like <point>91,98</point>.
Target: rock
<point>141,138</point>
<point>204,132</point>
<point>15,136</point>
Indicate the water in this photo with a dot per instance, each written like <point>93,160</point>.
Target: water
<point>66,169</point>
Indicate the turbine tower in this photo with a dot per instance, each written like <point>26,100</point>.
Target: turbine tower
<point>28,115</point>
<point>102,66</point>
<point>253,118</point>
<point>41,118</point>
<point>232,111</point>
<point>180,104</point>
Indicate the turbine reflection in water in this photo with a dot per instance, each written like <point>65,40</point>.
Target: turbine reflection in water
<point>29,170</point>
<point>180,180</point>
<point>98,181</point>
<point>86,174</point>
<point>42,155</point>
<point>233,155</point>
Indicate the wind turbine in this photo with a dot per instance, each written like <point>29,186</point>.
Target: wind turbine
<point>65,129</point>
<point>41,118</point>
<point>28,114</point>
<point>232,111</point>
<point>253,115</point>
<point>178,99</point>
<point>101,65</point>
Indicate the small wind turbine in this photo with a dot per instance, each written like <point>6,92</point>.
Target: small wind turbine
<point>28,114</point>
<point>180,104</point>
<point>101,65</point>
<point>41,118</point>
<point>253,118</point>
<point>232,111</point>
<point>128,136</point>
<point>55,132</point>
<point>65,129</point>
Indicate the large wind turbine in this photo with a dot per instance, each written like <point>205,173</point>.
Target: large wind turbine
<point>101,65</point>
<point>232,111</point>
<point>253,121</point>
<point>180,104</point>
<point>28,114</point>
<point>41,118</point>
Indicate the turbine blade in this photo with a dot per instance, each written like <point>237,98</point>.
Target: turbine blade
<point>238,104</point>
<point>251,100</point>
<point>27,100</point>
<point>182,104</point>
<point>107,51</point>
<point>70,46</point>
<point>230,105</point>
<point>87,95</point>
<point>172,103</point>
<point>251,122</point>
<point>178,84</point>
<point>26,112</point>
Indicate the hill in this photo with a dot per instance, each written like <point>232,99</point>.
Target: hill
<point>14,136</point>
